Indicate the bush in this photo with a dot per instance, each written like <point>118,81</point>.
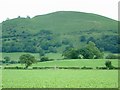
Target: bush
<point>13,67</point>
<point>13,62</point>
<point>71,53</point>
<point>43,67</point>
<point>68,67</point>
<point>101,67</point>
<point>116,67</point>
<point>86,67</point>
<point>56,67</point>
<point>108,64</point>
<point>43,59</point>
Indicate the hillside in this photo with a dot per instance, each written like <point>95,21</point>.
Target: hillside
<point>55,31</point>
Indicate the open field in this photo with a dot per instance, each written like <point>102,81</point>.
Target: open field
<point>72,63</point>
<point>60,78</point>
<point>15,56</point>
<point>56,78</point>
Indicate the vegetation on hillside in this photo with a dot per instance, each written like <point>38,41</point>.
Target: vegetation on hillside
<point>56,31</point>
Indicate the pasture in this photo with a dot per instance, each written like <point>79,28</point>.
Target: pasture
<point>60,78</point>
<point>71,63</point>
<point>15,56</point>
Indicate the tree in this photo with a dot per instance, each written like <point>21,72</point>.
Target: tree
<point>43,59</point>
<point>82,38</point>
<point>7,59</point>
<point>41,53</point>
<point>91,51</point>
<point>108,64</point>
<point>71,53</point>
<point>87,54</point>
<point>28,17</point>
<point>27,59</point>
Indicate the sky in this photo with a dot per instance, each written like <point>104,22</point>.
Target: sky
<point>14,8</point>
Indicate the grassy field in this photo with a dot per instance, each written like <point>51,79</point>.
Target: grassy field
<point>60,79</point>
<point>15,56</point>
<point>72,63</point>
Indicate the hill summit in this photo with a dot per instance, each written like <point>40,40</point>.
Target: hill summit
<point>55,31</point>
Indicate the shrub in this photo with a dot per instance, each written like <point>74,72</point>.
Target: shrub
<point>86,67</point>
<point>44,59</point>
<point>43,67</point>
<point>13,67</point>
<point>108,64</point>
<point>68,67</point>
<point>101,67</point>
<point>116,67</point>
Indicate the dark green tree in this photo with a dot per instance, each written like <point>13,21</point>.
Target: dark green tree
<point>108,64</point>
<point>91,51</point>
<point>7,59</point>
<point>71,53</point>
<point>43,59</point>
<point>87,54</point>
<point>27,59</point>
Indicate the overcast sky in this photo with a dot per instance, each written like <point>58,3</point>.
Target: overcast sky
<point>14,8</point>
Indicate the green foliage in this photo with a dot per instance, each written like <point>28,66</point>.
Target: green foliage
<point>82,38</point>
<point>27,59</point>
<point>71,53</point>
<point>96,53</point>
<point>52,32</point>
<point>88,52</point>
<point>7,59</point>
<point>109,43</point>
<point>43,59</point>
<point>91,51</point>
<point>108,64</point>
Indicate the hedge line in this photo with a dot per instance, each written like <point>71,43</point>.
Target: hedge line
<point>14,67</point>
<point>85,68</point>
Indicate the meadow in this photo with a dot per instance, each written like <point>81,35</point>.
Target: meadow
<point>60,78</point>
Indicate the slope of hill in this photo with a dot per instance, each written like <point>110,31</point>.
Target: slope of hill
<point>55,31</point>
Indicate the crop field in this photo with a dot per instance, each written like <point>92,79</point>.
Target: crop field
<point>60,79</point>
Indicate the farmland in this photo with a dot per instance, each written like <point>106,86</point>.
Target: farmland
<point>60,79</point>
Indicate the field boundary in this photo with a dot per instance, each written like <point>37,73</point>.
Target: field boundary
<point>74,68</point>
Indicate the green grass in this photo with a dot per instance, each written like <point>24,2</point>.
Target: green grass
<point>67,21</point>
<point>59,62</point>
<point>60,79</point>
<point>15,56</point>
<point>76,63</point>
<point>72,63</point>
